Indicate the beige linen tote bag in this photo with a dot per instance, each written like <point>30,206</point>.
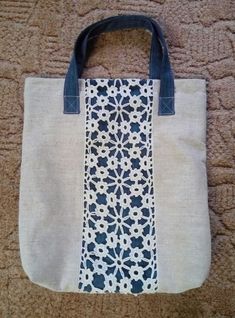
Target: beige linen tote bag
<point>113,192</point>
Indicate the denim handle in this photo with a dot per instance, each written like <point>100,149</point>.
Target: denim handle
<point>159,60</point>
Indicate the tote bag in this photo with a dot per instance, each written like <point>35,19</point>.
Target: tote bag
<point>113,192</point>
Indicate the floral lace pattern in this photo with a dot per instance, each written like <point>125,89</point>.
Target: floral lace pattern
<point>119,239</point>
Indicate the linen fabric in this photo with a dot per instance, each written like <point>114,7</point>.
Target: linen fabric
<point>71,239</point>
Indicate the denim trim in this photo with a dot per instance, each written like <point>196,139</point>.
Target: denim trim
<point>72,105</point>
<point>71,90</point>
<point>166,106</point>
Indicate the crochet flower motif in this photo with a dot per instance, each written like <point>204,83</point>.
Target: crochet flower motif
<point>119,239</point>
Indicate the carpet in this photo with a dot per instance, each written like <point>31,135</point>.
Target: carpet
<point>36,38</point>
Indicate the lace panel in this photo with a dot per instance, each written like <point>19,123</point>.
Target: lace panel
<point>119,239</point>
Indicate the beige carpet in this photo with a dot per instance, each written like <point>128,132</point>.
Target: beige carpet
<point>36,37</point>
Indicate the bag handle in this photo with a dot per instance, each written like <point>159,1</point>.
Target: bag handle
<point>159,61</point>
